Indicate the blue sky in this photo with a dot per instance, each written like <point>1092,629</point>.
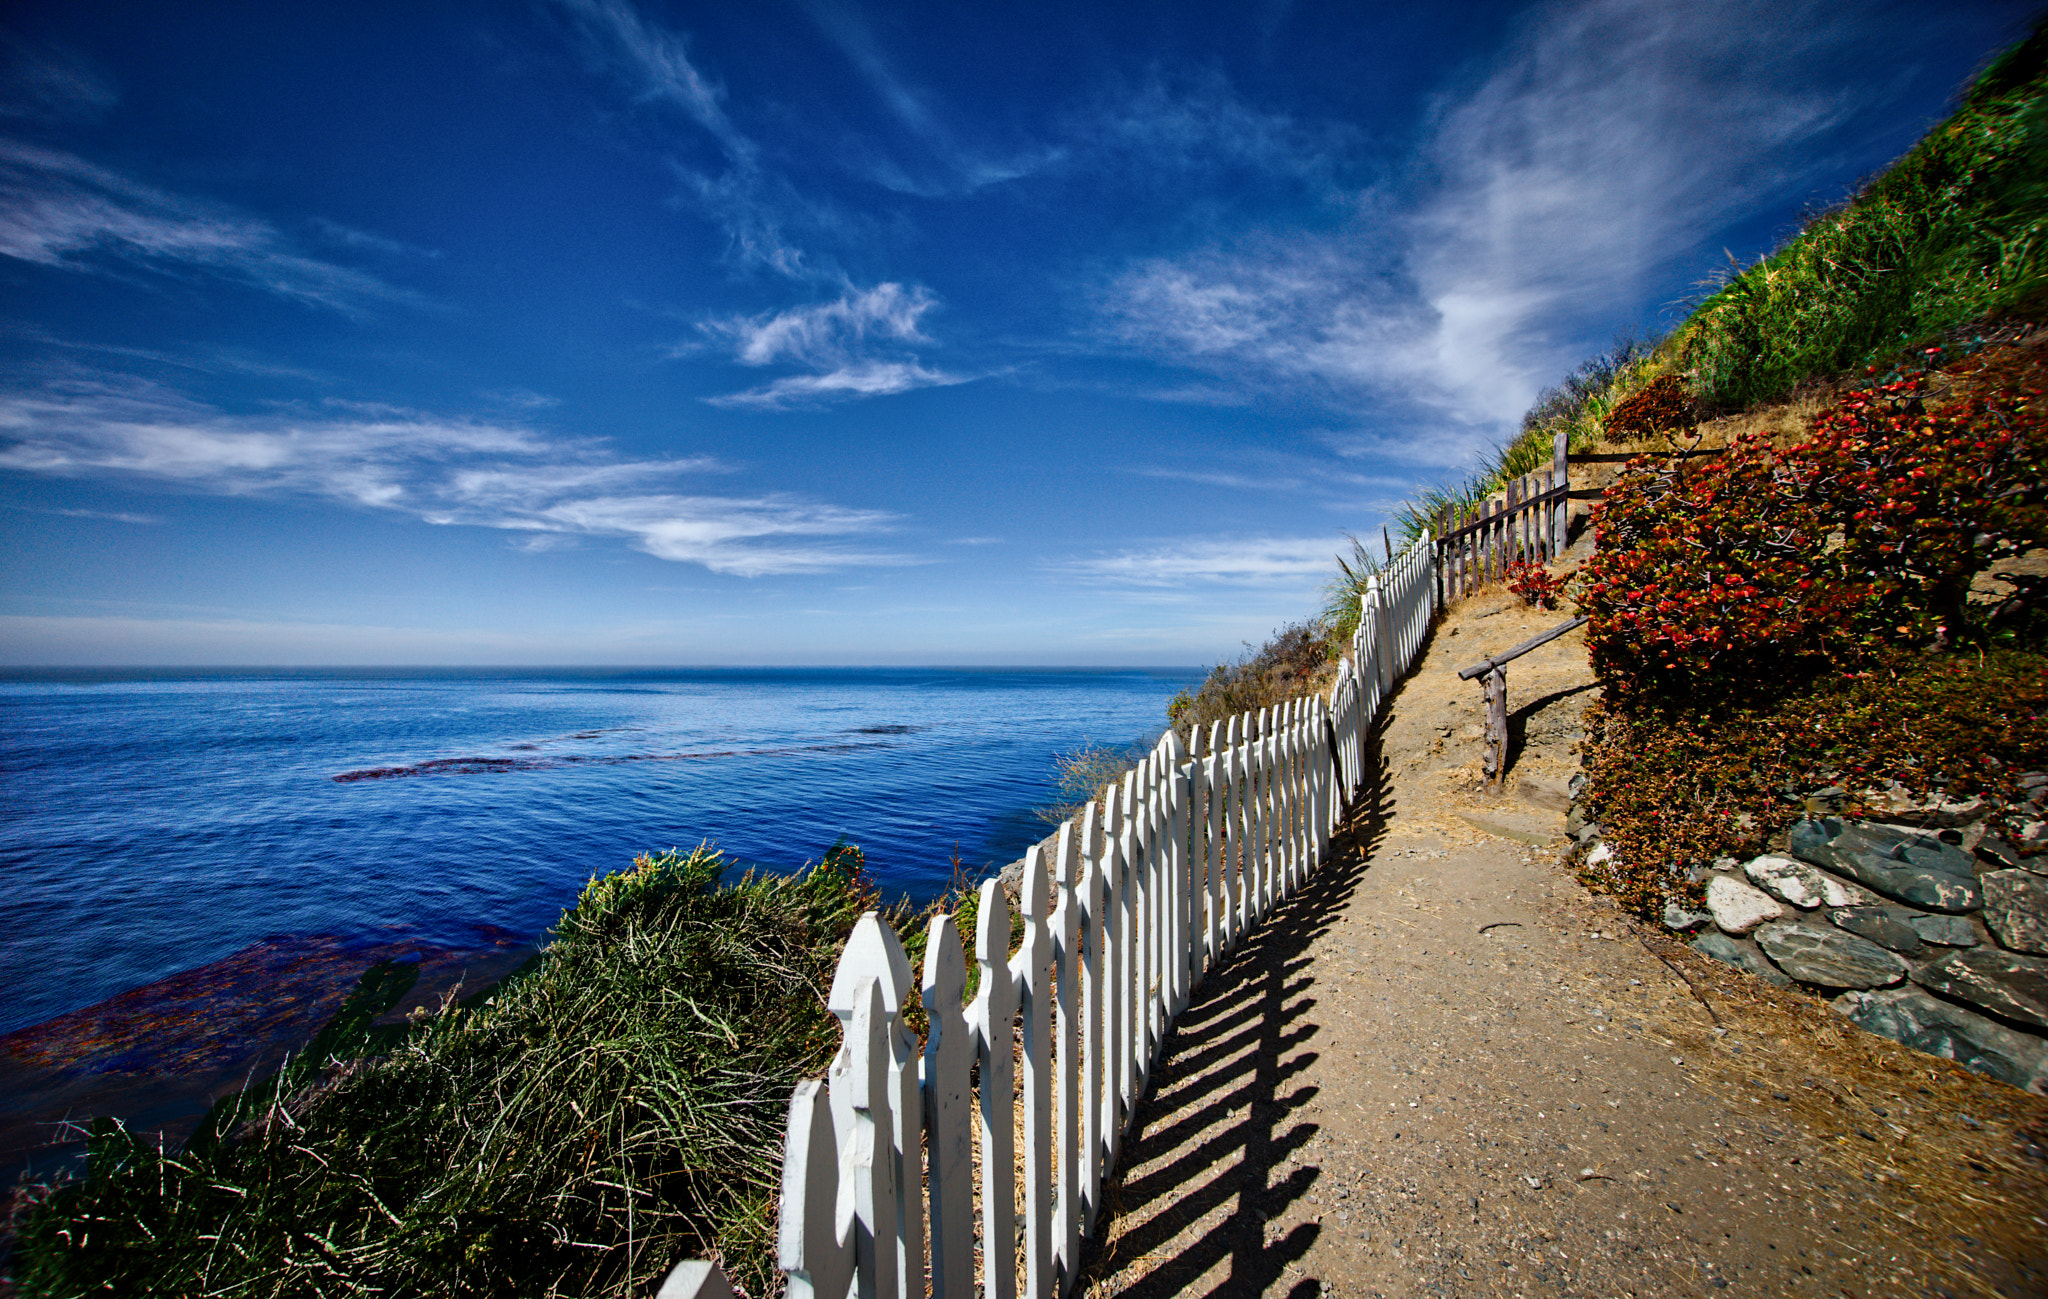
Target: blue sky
<point>592,331</point>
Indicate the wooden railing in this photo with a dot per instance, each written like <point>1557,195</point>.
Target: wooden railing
<point>1495,670</point>
<point>1476,545</point>
<point>1139,897</point>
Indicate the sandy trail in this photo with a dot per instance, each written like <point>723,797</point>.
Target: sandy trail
<point>1444,1068</point>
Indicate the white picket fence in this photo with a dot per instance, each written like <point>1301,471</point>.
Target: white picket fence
<point>1142,896</point>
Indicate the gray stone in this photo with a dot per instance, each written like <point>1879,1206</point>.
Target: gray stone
<point>1937,810</point>
<point>2032,837</point>
<point>1947,931</point>
<point>2000,855</point>
<point>1886,926</point>
<point>1681,919</point>
<point>1832,958</point>
<point>1786,878</point>
<point>1899,863</point>
<point>1737,908</point>
<point>1929,1024</point>
<point>2016,908</point>
<point>2004,983</point>
<point>1841,893</point>
<point>1729,952</point>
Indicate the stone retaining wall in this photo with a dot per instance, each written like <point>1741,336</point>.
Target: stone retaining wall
<point>1934,933</point>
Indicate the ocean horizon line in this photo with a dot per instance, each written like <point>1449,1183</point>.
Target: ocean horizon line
<point>146,672</point>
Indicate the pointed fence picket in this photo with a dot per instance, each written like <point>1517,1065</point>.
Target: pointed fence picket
<point>1145,893</point>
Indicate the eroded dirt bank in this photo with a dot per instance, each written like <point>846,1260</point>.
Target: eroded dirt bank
<point>1444,1068</point>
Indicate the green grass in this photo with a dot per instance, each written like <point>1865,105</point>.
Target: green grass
<point>615,1109</point>
<point>1955,231</point>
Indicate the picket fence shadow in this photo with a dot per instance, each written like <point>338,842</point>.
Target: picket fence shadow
<point>1143,895</point>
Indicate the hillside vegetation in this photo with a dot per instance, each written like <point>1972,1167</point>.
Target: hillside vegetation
<point>1851,611</point>
<point>1824,573</point>
<point>592,1121</point>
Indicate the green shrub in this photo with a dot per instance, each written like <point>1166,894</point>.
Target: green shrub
<point>1756,565</point>
<point>616,1108</point>
<point>1086,773</point>
<point>1663,406</point>
<point>1679,782</point>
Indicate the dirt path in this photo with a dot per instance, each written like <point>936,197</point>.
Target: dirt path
<point>1446,1069</point>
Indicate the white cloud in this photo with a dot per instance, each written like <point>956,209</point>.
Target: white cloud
<point>442,470</point>
<point>725,534</point>
<point>839,342</point>
<point>1256,561</point>
<point>59,210</point>
<point>827,332</point>
<point>1608,138</point>
<point>868,379</point>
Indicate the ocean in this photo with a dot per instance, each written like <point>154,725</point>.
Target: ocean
<point>158,822</point>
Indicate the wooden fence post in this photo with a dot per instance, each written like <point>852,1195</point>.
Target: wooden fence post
<point>873,952</point>
<point>1509,549</point>
<point>1496,725</point>
<point>861,1076</point>
<point>1219,799</point>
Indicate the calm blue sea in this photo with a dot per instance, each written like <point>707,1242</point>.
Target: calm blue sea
<point>150,823</point>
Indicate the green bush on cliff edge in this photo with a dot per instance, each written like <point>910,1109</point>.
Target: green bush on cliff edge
<point>614,1109</point>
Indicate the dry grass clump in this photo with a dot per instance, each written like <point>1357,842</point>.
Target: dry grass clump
<point>1295,662</point>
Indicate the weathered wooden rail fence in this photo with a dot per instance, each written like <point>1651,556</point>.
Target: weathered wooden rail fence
<point>1475,545</point>
<point>1143,894</point>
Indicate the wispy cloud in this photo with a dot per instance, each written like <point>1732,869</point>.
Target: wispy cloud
<point>59,210</point>
<point>443,470</point>
<point>1250,561</point>
<point>1176,124</point>
<point>854,346</point>
<point>1217,478</point>
<point>50,85</point>
<point>1608,138</point>
<point>827,332</point>
<point>751,204</point>
<point>657,62</point>
<point>946,163</point>
<point>110,516</point>
<point>865,379</point>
